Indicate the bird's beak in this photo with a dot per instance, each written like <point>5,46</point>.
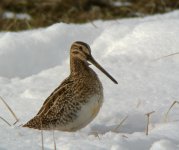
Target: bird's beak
<point>94,62</point>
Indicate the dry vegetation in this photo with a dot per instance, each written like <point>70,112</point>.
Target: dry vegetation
<point>46,12</point>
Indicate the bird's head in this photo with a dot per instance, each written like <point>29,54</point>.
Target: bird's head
<point>82,51</point>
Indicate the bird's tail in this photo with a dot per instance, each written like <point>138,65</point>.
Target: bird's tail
<point>35,123</point>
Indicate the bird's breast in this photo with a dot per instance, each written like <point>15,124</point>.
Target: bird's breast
<point>88,112</point>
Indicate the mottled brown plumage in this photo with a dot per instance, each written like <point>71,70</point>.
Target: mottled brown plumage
<point>78,99</point>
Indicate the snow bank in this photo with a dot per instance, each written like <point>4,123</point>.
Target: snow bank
<point>33,63</point>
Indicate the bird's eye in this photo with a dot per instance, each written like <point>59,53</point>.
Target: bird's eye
<point>80,48</point>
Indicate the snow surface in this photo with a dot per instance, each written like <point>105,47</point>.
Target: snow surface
<point>33,63</point>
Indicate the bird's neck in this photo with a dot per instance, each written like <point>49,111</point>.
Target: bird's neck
<point>79,67</point>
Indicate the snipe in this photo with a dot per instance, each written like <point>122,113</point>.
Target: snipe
<point>77,101</point>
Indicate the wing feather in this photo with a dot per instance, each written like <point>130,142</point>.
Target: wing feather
<point>54,96</point>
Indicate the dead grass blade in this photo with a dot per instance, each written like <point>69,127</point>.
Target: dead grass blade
<point>166,115</point>
<point>11,111</point>
<point>148,122</point>
<point>120,124</point>
<point>166,56</point>
<point>5,121</point>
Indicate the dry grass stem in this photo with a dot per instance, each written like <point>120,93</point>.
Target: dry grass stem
<point>93,24</point>
<point>166,56</point>
<point>138,103</point>
<point>148,121</point>
<point>166,115</point>
<point>125,136</point>
<point>54,142</point>
<point>95,134</point>
<point>15,122</point>
<point>8,107</point>
<point>120,124</point>
<point>28,24</point>
<point>5,121</point>
<point>42,139</point>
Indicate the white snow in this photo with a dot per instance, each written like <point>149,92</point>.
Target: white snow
<point>33,63</point>
<point>117,4</point>
<point>12,15</point>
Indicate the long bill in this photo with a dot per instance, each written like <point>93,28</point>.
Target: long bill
<point>94,62</point>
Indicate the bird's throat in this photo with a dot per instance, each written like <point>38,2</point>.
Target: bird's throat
<point>78,66</point>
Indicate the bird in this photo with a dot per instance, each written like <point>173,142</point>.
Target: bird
<point>78,99</point>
